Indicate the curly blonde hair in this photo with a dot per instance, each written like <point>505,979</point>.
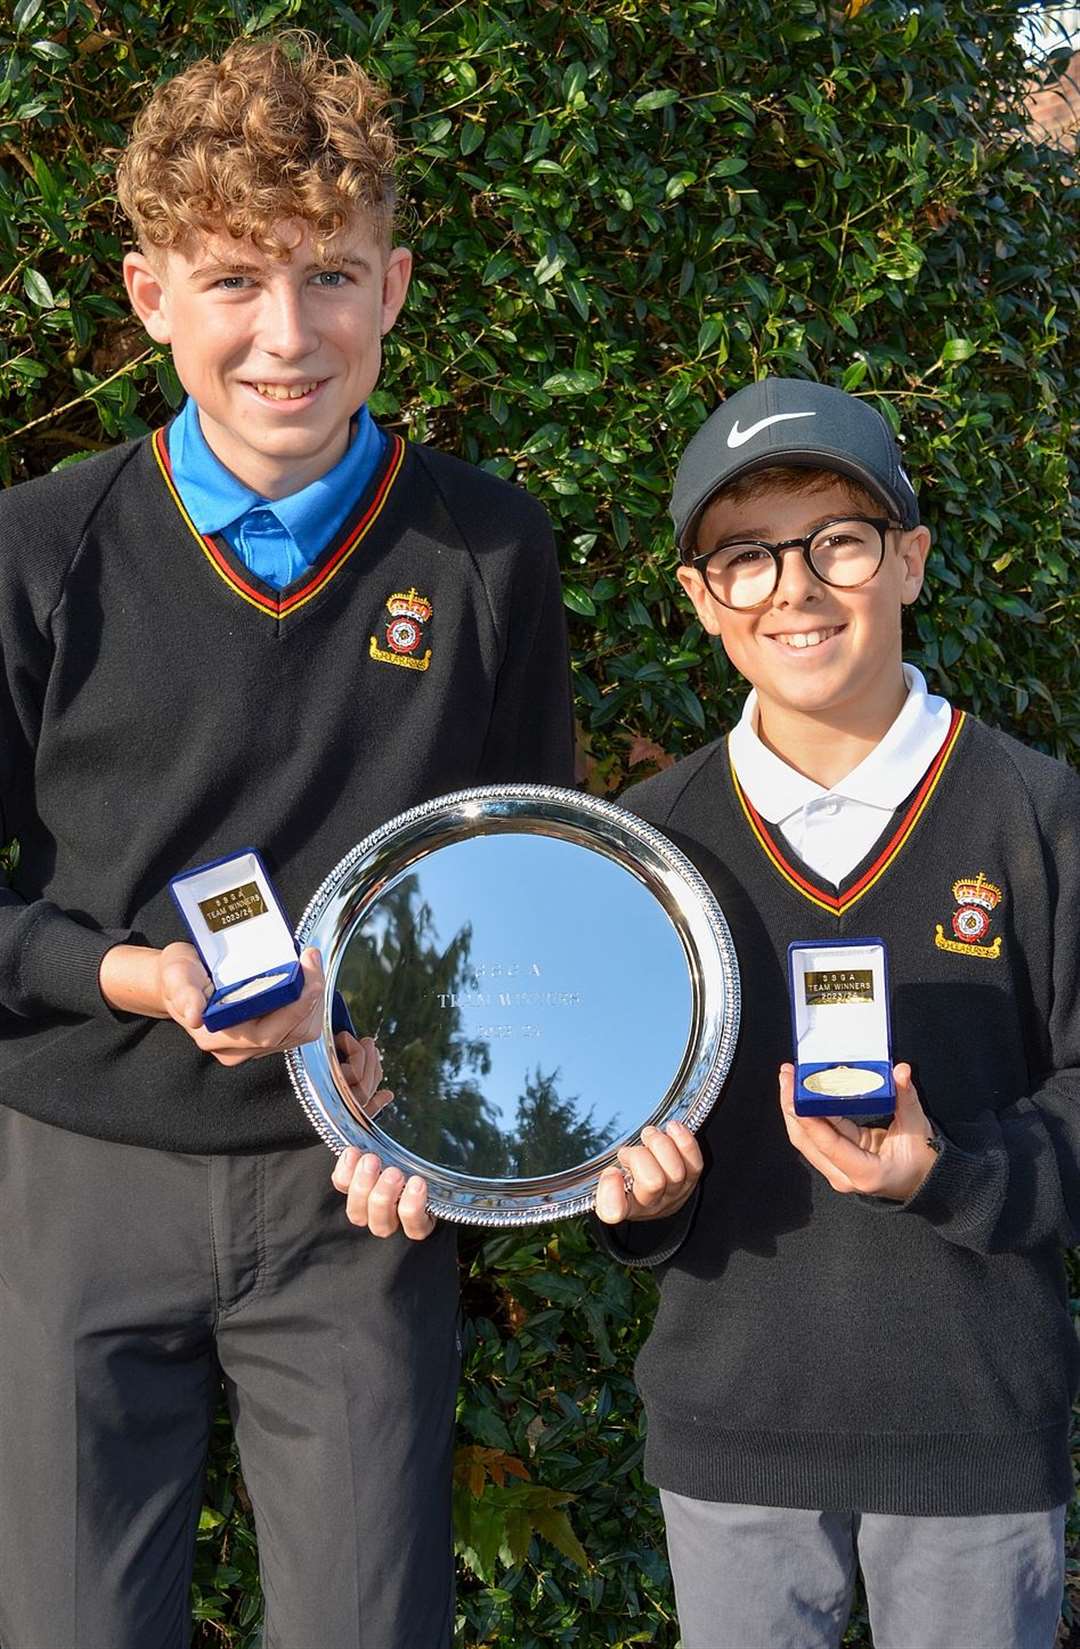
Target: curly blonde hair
<point>274,129</point>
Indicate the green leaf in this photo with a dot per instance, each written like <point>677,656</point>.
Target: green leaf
<point>757,286</point>
<point>958,349</point>
<point>578,600</point>
<point>488,1427</point>
<point>472,136</point>
<point>578,381</point>
<point>172,390</point>
<point>548,435</point>
<point>729,165</point>
<point>574,81</point>
<point>26,367</point>
<point>497,268</point>
<point>854,375</point>
<point>464,73</point>
<point>46,181</point>
<point>578,295</point>
<point>25,13</point>
<point>37,289</point>
<point>555,1526</point>
<point>551,264</point>
<point>518,1534</point>
<point>661,99</point>
<point>678,184</point>
<point>708,332</point>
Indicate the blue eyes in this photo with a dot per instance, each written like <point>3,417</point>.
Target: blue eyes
<point>327,280</point>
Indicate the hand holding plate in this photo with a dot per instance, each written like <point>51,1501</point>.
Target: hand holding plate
<point>382,1199</point>
<point>545,972</point>
<point>663,1170</point>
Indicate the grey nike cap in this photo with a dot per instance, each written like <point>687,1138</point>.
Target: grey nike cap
<point>790,421</point>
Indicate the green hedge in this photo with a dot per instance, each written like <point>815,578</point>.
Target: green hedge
<point>620,212</point>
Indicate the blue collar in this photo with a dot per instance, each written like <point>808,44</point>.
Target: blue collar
<point>217,501</point>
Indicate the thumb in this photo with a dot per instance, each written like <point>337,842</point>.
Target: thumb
<point>910,1116</point>
<point>189,1001</point>
<point>191,1007</point>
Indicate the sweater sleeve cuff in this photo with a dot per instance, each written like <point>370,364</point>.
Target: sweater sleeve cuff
<point>960,1196</point>
<point>57,965</point>
<point>639,1243</point>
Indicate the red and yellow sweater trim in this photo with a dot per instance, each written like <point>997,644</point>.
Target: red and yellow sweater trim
<point>294,599</point>
<point>840,904</point>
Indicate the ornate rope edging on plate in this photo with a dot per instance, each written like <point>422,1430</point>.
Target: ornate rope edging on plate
<point>520,800</point>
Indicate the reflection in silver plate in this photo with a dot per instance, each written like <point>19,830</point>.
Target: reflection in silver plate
<point>544,973</point>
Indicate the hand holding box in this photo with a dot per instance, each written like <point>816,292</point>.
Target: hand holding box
<point>239,929</point>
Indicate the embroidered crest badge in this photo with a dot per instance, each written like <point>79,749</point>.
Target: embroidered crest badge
<point>410,614</point>
<point>976,901</point>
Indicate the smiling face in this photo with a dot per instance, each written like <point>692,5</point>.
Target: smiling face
<point>815,654</point>
<point>278,354</point>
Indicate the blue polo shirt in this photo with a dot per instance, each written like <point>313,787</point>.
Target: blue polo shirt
<point>277,539</point>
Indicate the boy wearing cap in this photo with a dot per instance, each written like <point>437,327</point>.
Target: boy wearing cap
<point>863,1352</point>
<point>270,624</point>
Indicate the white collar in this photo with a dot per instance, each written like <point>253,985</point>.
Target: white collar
<point>883,779</point>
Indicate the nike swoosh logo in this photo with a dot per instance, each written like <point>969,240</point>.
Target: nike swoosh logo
<point>738,437</point>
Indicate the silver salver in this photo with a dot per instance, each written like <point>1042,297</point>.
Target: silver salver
<point>544,974</point>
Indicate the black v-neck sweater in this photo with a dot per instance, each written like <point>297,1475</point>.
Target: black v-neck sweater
<point>844,1352</point>
<point>160,707</point>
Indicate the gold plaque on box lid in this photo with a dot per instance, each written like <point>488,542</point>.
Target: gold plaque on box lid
<point>834,987</point>
<point>236,904</point>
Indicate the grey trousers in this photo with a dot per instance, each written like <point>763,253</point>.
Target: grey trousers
<point>131,1282</point>
<point>756,1577</point>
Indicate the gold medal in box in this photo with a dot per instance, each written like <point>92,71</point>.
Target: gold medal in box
<point>236,923</point>
<point>840,1026</point>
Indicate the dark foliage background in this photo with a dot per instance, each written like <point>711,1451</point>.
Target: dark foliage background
<point>620,213</point>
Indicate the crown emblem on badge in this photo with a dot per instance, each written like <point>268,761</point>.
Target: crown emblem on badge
<point>410,613</point>
<point>976,890</point>
<point>407,604</point>
<point>976,898</point>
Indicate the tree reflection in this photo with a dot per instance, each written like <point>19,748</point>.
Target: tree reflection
<point>402,987</point>
<point>550,1136</point>
<point>397,981</point>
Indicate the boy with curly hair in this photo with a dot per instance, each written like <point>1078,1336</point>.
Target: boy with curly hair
<point>199,651</point>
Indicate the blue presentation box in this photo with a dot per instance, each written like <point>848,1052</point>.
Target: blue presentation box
<point>240,931</point>
<point>841,1028</point>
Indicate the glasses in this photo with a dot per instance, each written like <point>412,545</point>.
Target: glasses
<point>843,554</point>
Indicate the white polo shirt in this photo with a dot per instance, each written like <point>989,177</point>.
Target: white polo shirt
<point>833,830</point>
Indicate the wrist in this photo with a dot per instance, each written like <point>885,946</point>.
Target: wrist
<point>917,1170</point>
<point>129,980</point>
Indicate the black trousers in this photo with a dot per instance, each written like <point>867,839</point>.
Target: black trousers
<point>131,1281</point>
